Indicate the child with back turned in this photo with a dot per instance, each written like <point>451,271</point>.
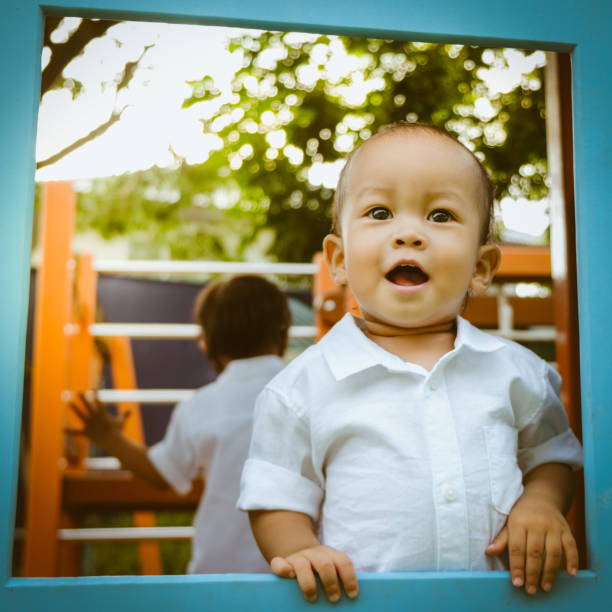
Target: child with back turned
<point>408,439</point>
<point>244,322</point>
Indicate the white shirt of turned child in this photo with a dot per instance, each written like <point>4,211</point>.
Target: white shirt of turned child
<point>401,468</point>
<point>209,435</point>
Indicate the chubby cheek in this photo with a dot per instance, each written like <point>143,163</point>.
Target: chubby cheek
<point>460,253</point>
<point>358,253</point>
<point>363,268</point>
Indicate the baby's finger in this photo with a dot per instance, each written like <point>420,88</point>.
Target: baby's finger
<point>500,542</point>
<point>571,552</point>
<point>305,577</point>
<point>91,401</point>
<point>346,571</point>
<point>281,567</point>
<point>552,560</point>
<point>74,432</point>
<point>534,558</point>
<point>87,398</point>
<point>325,567</point>
<point>79,412</point>
<point>516,555</point>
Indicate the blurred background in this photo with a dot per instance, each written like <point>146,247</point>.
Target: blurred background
<point>208,142</point>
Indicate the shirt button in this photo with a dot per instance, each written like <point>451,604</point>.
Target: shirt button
<point>433,384</point>
<point>449,493</point>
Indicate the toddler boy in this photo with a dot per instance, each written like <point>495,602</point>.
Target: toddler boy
<point>244,322</point>
<point>408,439</point>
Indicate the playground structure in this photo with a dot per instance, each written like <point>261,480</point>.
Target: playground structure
<point>65,361</point>
<point>583,31</point>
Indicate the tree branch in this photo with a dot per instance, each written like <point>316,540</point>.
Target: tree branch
<point>115,116</point>
<point>51,23</point>
<point>63,53</point>
<point>126,76</point>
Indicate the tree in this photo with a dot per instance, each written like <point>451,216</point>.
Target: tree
<point>167,212</point>
<point>295,111</point>
<point>61,53</point>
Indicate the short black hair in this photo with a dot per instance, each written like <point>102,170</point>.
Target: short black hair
<point>242,317</point>
<point>407,127</point>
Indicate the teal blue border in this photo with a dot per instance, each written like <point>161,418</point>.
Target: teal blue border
<point>562,25</point>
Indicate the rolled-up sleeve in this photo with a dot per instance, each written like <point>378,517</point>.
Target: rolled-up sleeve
<point>174,456</point>
<point>279,473</point>
<point>547,437</point>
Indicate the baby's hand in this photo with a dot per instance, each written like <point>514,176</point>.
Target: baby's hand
<point>98,425</point>
<point>327,562</point>
<point>537,537</point>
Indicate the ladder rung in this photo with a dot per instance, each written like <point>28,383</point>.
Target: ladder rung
<point>541,334</point>
<point>172,330</point>
<point>139,396</point>
<point>202,267</point>
<point>102,463</point>
<point>125,533</point>
<point>144,396</point>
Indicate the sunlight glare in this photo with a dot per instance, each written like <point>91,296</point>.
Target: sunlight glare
<point>325,173</point>
<point>525,216</point>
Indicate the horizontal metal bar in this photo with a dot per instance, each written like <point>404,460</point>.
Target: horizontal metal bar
<point>303,331</point>
<point>544,334</point>
<point>102,463</point>
<point>144,396</point>
<point>173,330</point>
<point>122,266</point>
<point>145,330</point>
<point>100,534</point>
<point>191,330</point>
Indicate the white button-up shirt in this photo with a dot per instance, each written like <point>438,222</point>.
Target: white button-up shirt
<point>401,468</point>
<point>209,435</point>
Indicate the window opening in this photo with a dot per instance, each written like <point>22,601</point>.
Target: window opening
<point>266,154</point>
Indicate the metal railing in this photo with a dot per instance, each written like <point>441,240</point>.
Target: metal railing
<point>171,330</point>
<point>101,534</point>
<point>129,266</point>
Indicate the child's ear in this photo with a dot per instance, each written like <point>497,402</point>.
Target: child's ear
<point>334,256</point>
<point>487,264</point>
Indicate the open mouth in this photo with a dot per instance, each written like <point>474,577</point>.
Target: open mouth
<point>407,275</point>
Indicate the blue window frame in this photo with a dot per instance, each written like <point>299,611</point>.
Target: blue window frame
<point>556,25</point>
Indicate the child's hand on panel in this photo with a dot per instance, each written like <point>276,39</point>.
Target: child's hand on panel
<point>538,540</point>
<point>98,424</point>
<point>329,564</point>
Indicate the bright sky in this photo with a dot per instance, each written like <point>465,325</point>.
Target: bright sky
<point>154,120</point>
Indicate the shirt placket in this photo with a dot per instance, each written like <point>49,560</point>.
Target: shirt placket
<point>447,476</point>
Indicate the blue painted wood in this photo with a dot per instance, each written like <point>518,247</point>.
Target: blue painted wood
<point>19,71</point>
<point>547,24</point>
<point>478,591</point>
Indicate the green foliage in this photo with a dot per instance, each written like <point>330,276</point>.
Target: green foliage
<point>74,86</point>
<point>109,558</point>
<point>202,90</point>
<point>292,111</point>
<point>163,213</point>
<point>122,558</point>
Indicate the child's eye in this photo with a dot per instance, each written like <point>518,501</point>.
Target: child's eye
<point>379,213</point>
<point>440,216</point>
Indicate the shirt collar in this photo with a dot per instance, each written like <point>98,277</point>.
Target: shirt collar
<point>253,366</point>
<point>471,337</point>
<point>347,350</point>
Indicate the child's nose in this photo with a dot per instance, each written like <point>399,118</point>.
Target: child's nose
<point>417,242</point>
<point>410,236</point>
